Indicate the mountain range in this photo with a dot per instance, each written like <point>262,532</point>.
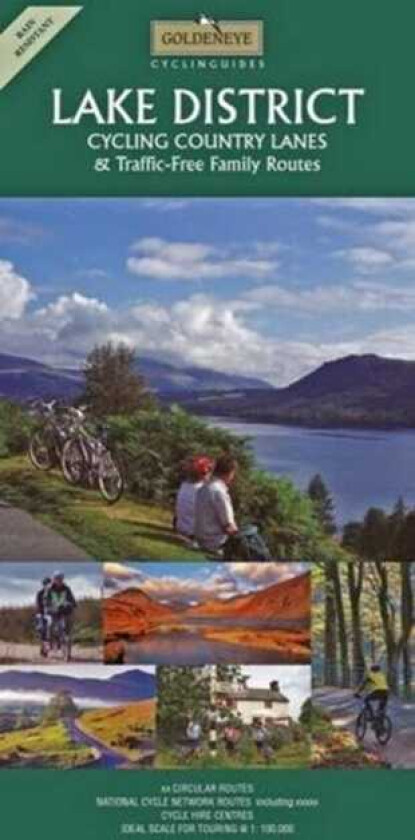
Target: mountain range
<point>127,686</point>
<point>354,391</point>
<point>132,612</point>
<point>289,599</point>
<point>25,379</point>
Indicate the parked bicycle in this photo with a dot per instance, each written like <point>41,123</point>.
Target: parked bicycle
<point>378,721</point>
<point>87,459</point>
<point>47,441</point>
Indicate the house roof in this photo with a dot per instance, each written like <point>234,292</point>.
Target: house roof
<point>253,694</point>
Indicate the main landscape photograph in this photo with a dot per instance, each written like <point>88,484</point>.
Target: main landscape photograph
<point>206,380</point>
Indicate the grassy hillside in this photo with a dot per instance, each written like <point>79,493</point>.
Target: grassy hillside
<point>121,728</point>
<point>129,529</point>
<point>140,525</point>
<point>45,746</point>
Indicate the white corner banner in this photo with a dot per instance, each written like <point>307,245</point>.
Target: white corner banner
<point>28,35</point>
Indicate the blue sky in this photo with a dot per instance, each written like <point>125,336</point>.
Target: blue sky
<point>19,582</point>
<point>194,582</point>
<point>264,287</point>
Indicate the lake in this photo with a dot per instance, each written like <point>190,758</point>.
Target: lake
<point>184,643</point>
<point>362,468</point>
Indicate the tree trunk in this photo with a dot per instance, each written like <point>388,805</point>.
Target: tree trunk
<point>407,604</point>
<point>355,585</point>
<point>330,636</point>
<point>388,623</point>
<point>341,626</point>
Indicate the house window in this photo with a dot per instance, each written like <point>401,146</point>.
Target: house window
<point>268,704</point>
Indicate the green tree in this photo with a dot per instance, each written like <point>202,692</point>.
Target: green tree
<point>374,535</point>
<point>183,693</point>
<point>60,706</point>
<point>323,504</point>
<point>113,385</point>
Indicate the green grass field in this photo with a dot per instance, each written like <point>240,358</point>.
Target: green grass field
<point>45,746</point>
<point>128,529</point>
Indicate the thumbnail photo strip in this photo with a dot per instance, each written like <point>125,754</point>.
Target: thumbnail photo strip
<point>207,665</point>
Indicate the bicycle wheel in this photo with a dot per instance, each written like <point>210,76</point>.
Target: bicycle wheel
<point>73,462</point>
<point>41,450</point>
<point>148,476</point>
<point>110,478</point>
<point>383,730</point>
<point>361,725</point>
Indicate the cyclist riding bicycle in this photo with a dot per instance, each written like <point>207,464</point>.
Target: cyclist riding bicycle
<point>376,690</point>
<point>60,600</point>
<point>43,619</point>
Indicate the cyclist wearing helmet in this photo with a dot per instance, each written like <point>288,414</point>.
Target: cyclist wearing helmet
<point>60,599</point>
<point>43,619</point>
<point>376,690</point>
<point>197,472</point>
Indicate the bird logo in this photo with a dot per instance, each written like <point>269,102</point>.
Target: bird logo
<point>207,20</point>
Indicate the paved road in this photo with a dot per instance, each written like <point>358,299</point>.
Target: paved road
<point>11,653</point>
<point>400,752</point>
<point>108,758</point>
<point>22,538</point>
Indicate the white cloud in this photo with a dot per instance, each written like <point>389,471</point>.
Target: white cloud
<point>360,296</point>
<point>15,292</point>
<point>370,206</point>
<point>162,260</point>
<point>366,259</point>
<point>266,574</point>
<point>168,588</point>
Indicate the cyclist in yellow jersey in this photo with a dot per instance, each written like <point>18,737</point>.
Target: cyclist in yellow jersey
<point>376,690</point>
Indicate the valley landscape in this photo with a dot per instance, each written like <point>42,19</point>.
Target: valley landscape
<point>76,718</point>
<point>269,624</point>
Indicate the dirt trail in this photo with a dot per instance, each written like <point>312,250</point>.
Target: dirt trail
<point>400,752</point>
<point>11,653</point>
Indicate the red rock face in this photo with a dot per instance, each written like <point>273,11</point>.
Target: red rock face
<point>287,600</point>
<point>130,613</point>
<point>133,613</point>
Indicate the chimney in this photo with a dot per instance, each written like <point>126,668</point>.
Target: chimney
<point>274,686</point>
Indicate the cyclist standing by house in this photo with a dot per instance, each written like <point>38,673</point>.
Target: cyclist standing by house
<point>376,690</point>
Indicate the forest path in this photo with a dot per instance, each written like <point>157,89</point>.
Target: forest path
<point>344,708</point>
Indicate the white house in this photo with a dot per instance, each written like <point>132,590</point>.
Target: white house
<point>252,704</point>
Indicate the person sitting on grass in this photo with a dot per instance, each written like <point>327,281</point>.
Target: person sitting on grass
<point>43,619</point>
<point>376,690</point>
<point>196,473</point>
<point>216,529</point>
